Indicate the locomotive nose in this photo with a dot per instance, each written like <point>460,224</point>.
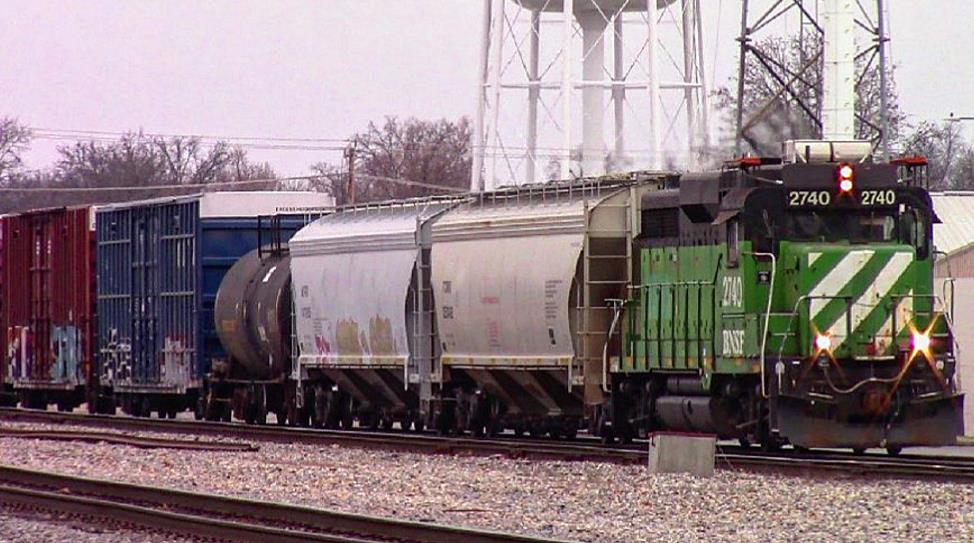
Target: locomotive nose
<point>861,299</point>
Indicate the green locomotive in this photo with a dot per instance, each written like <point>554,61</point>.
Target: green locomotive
<point>790,300</point>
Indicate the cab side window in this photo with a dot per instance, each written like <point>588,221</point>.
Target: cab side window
<point>733,242</point>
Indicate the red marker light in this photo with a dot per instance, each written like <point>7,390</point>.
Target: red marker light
<point>846,173</point>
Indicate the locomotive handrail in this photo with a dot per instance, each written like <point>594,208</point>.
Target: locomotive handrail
<point>767,316</point>
<point>947,319</point>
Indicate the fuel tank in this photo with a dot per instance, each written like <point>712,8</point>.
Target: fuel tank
<point>252,314</point>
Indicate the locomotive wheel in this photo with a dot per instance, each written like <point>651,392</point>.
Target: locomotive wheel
<point>199,410</point>
<point>419,425</point>
<point>260,407</point>
<point>569,430</point>
<point>536,430</point>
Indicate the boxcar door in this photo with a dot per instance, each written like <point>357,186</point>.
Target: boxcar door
<point>40,360</point>
<point>145,237</point>
<point>177,292</point>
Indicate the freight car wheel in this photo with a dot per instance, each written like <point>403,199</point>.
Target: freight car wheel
<point>858,451</point>
<point>894,451</point>
<point>199,410</point>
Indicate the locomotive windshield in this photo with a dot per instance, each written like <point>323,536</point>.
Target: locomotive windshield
<point>906,223</point>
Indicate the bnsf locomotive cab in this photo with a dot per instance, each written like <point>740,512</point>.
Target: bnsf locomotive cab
<point>793,300</point>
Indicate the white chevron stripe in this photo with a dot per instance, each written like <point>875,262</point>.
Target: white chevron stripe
<point>812,257</point>
<point>837,278</point>
<point>878,290</point>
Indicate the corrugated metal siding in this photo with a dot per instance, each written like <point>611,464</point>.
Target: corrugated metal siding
<point>959,263</point>
<point>956,211</point>
<point>159,277</point>
<point>48,292</point>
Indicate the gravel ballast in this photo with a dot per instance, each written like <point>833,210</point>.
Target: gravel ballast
<point>35,527</point>
<point>583,501</point>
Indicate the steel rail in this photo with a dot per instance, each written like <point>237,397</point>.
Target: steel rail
<point>728,457</point>
<point>141,442</point>
<point>223,517</point>
<point>406,441</point>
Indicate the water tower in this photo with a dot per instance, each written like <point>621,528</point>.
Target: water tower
<point>578,87</point>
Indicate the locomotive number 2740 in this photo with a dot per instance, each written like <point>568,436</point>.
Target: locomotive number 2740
<point>799,198</point>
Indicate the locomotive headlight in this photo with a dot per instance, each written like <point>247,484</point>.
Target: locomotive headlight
<point>823,342</point>
<point>845,174</point>
<point>921,341</point>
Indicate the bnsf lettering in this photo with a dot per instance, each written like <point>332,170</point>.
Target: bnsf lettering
<point>733,291</point>
<point>801,198</point>
<point>878,198</point>
<point>733,342</point>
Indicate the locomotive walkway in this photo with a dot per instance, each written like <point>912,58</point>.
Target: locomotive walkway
<point>219,517</point>
<point>908,466</point>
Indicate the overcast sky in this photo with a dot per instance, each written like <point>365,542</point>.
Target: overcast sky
<point>324,69</point>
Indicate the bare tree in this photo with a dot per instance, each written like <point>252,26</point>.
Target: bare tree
<point>330,179</point>
<point>14,140</point>
<point>135,160</point>
<point>424,152</point>
<point>951,158</point>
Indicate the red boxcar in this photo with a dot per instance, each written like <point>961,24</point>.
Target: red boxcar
<point>48,292</point>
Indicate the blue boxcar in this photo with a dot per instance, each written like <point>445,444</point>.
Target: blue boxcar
<point>160,263</point>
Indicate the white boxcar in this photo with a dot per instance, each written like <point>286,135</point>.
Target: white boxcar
<point>524,282</point>
<point>364,315</point>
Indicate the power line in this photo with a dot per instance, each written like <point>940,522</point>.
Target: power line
<point>204,186</point>
<point>275,143</point>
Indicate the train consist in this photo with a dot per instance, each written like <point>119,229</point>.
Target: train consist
<point>786,300</point>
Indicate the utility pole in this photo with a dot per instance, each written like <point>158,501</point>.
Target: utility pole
<point>350,188</point>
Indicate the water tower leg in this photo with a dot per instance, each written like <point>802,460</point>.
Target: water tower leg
<point>655,115</point>
<point>689,80</point>
<point>619,91</point>
<point>704,87</point>
<point>534,95</point>
<point>477,166</point>
<point>497,48</point>
<point>593,94</point>
<point>567,22</point>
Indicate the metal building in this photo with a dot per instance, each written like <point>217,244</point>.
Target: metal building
<point>954,237</point>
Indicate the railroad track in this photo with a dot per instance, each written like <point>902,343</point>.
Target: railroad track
<point>220,517</point>
<point>951,468</point>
